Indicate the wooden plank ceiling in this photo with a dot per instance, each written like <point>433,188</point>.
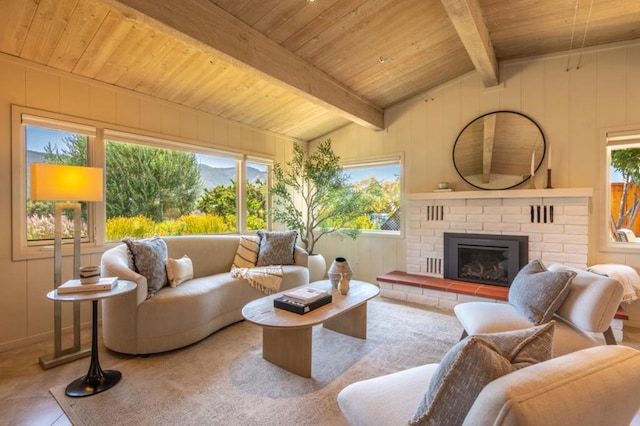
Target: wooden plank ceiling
<point>300,68</point>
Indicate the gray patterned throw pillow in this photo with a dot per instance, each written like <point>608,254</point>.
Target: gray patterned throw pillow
<point>276,248</point>
<point>537,293</point>
<point>475,362</point>
<point>148,258</point>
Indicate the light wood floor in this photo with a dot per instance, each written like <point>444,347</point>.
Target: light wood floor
<point>24,385</point>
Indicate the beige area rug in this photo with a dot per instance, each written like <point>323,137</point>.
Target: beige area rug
<point>223,379</point>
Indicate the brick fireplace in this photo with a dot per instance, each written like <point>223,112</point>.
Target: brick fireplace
<point>555,221</point>
<point>484,258</point>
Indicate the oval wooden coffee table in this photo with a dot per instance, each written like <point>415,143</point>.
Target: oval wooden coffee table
<point>286,336</point>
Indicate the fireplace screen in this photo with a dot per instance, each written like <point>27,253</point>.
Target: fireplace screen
<point>483,258</point>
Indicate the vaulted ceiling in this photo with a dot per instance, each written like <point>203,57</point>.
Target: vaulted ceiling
<point>300,68</point>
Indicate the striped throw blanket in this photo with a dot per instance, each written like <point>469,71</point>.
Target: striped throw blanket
<point>267,279</point>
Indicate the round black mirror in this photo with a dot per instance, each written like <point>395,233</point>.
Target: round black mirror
<point>499,150</point>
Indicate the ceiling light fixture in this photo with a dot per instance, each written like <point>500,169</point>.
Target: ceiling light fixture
<point>584,35</point>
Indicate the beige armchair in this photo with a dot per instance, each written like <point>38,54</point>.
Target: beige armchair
<point>588,309</point>
<point>596,386</point>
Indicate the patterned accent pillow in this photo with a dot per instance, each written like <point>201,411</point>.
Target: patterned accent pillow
<point>276,248</point>
<point>179,270</point>
<point>148,258</point>
<point>475,362</point>
<point>537,293</point>
<point>247,253</point>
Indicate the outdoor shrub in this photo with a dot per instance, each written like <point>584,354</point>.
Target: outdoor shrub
<point>43,227</point>
<point>203,224</point>
<point>140,226</point>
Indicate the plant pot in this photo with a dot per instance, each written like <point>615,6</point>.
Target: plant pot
<point>339,266</point>
<point>317,267</point>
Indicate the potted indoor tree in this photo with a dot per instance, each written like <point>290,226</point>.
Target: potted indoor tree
<point>311,195</point>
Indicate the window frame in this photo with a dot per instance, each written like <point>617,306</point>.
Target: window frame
<point>381,161</point>
<point>242,193</point>
<point>96,217</point>
<point>619,137</point>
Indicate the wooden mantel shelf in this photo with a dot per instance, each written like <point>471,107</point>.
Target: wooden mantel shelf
<point>509,193</point>
<point>459,287</point>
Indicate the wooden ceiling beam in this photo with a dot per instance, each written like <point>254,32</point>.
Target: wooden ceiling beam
<point>467,18</point>
<point>226,37</point>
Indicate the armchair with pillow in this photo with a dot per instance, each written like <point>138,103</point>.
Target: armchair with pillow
<point>528,362</point>
<point>504,379</point>
<point>581,303</point>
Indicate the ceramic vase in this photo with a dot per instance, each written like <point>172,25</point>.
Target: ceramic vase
<point>339,266</point>
<point>343,285</point>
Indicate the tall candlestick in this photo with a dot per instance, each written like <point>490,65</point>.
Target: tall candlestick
<point>533,162</point>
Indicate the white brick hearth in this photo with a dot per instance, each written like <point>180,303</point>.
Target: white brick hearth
<point>556,222</point>
<point>516,212</point>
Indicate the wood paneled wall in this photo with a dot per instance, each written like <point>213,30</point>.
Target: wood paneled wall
<point>25,313</point>
<point>573,108</point>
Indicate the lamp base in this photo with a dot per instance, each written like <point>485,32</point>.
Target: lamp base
<point>67,355</point>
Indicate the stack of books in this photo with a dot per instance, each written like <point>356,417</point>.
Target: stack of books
<point>303,300</point>
<point>76,286</point>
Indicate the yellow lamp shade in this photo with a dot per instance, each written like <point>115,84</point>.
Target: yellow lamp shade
<point>59,182</point>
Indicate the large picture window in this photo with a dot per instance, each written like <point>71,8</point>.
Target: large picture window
<point>152,186</point>
<point>380,181</point>
<point>623,155</point>
<point>257,190</point>
<point>44,143</point>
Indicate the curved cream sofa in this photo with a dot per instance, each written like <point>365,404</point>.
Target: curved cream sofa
<point>176,317</point>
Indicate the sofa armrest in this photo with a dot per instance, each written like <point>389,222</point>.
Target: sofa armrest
<point>594,386</point>
<point>300,257</point>
<point>115,263</point>
<point>593,300</point>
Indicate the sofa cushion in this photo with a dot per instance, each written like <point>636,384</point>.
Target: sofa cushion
<point>276,248</point>
<point>247,252</point>
<point>148,258</point>
<point>473,363</point>
<point>179,270</point>
<point>537,292</point>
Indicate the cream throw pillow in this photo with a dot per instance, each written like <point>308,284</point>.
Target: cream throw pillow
<point>179,270</point>
<point>247,252</point>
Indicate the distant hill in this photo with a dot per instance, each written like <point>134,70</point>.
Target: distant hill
<point>211,176</point>
<point>32,157</point>
<point>214,176</point>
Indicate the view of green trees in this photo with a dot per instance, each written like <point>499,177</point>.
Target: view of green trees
<point>627,163</point>
<point>153,191</point>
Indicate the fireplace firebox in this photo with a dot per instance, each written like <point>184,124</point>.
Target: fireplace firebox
<point>484,258</point>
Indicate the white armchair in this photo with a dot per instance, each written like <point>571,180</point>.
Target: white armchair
<point>596,386</point>
<point>589,307</point>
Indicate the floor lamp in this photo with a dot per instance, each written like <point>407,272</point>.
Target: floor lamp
<point>60,183</point>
